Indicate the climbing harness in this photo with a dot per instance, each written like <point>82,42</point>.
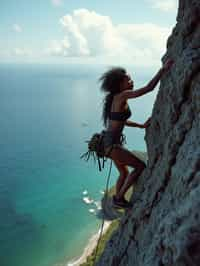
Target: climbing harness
<point>96,148</point>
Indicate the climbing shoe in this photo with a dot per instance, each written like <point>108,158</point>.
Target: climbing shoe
<point>121,203</point>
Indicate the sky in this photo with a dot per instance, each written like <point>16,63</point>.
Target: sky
<point>90,31</point>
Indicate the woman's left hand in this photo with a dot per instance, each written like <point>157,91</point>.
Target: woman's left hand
<point>147,123</point>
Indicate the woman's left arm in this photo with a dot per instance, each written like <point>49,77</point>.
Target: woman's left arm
<point>129,123</point>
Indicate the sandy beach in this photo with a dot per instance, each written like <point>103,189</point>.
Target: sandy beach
<point>89,248</point>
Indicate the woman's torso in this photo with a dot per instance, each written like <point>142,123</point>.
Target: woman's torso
<point>119,113</point>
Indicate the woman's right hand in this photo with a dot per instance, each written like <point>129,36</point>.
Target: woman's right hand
<point>167,65</point>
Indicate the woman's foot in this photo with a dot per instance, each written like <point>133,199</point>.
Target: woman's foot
<point>121,203</point>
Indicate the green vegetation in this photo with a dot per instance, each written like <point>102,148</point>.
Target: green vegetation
<point>102,243</point>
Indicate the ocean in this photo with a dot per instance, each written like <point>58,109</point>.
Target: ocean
<point>47,112</point>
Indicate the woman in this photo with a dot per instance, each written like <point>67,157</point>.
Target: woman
<point>119,88</point>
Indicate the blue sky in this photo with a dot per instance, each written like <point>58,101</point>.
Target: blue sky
<point>92,31</point>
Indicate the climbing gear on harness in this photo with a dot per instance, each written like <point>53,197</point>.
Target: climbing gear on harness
<point>96,149</point>
<point>101,144</point>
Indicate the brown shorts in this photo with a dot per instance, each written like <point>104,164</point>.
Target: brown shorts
<point>112,140</point>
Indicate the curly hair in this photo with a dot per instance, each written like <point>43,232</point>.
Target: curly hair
<point>110,84</point>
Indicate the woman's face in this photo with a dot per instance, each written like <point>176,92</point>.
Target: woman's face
<point>127,83</point>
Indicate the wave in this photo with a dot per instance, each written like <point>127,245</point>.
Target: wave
<point>92,210</point>
<point>88,200</point>
<point>85,192</point>
<point>90,247</point>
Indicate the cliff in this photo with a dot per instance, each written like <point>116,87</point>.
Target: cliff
<point>163,227</point>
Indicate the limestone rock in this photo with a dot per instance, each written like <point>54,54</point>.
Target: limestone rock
<point>163,227</point>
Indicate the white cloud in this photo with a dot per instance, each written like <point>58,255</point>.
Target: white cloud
<point>91,35</point>
<point>57,2</point>
<point>165,5</point>
<point>21,52</point>
<point>17,28</point>
<point>56,48</point>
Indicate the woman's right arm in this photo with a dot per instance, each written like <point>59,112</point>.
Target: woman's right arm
<point>127,94</point>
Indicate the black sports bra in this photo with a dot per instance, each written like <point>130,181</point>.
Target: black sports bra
<point>120,116</point>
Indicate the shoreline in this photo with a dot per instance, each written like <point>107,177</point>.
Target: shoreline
<point>90,247</point>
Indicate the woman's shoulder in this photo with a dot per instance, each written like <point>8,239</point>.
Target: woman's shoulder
<point>126,94</point>
<point>121,97</point>
<point>118,102</point>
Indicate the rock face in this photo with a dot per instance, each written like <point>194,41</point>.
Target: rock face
<point>163,227</point>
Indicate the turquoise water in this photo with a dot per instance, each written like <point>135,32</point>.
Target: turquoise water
<point>46,114</point>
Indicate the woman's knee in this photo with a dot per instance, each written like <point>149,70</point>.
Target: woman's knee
<point>124,172</point>
<point>123,169</point>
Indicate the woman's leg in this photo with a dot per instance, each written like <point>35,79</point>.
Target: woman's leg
<point>124,157</point>
<point>129,182</point>
<point>123,173</point>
